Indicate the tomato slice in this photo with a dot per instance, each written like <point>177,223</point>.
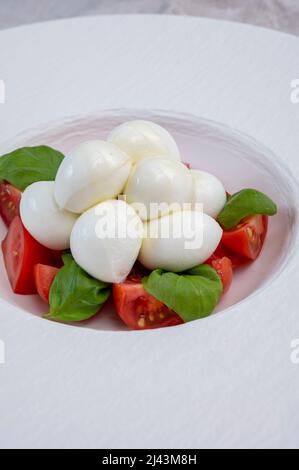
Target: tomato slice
<point>10,198</point>
<point>21,253</point>
<point>248,237</point>
<point>236,260</point>
<point>140,310</point>
<point>43,277</point>
<point>224,269</point>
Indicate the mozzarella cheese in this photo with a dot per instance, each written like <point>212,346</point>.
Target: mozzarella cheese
<point>106,240</point>
<point>141,139</point>
<point>92,172</point>
<point>158,186</point>
<point>179,241</point>
<point>209,191</point>
<point>43,219</point>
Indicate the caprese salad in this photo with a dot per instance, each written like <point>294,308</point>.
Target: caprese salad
<point>125,218</point>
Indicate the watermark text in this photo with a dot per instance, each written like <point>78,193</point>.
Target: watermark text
<point>294,356</point>
<point>295,91</point>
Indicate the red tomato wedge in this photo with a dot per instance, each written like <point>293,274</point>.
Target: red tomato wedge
<point>248,237</point>
<point>57,259</point>
<point>21,253</point>
<point>10,198</point>
<point>140,310</point>
<point>43,277</point>
<point>236,260</point>
<point>224,269</point>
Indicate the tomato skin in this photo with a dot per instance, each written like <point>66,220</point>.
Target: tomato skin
<point>43,277</point>
<point>140,310</point>
<point>248,237</point>
<point>10,198</point>
<point>224,269</point>
<point>21,253</point>
<point>57,259</point>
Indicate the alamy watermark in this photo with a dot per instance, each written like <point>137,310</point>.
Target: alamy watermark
<point>294,356</point>
<point>294,96</point>
<point>2,352</point>
<point>120,221</point>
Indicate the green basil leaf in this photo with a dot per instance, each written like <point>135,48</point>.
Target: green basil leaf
<point>27,165</point>
<point>67,258</point>
<point>243,204</point>
<point>74,295</point>
<point>192,294</point>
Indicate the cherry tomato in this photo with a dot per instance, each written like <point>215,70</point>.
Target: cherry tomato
<point>21,253</point>
<point>43,277</point>
<point>57,259</point>
<point>236,260</point>
<point>10,198</point>
<point>140,310</point>
<point>248,237</point>
<point>224,269</point>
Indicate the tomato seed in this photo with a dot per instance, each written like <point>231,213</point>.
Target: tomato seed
<point>250,232</point>
<point>141,322</point>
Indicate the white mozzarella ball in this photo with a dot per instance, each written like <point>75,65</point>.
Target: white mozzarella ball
<point>92,172</point>
<point>155,184</point>
<point>43,219</point>
<point>209,191</point>
<point>179,241</point>
<point>106,240</point>
<point>141,139</point>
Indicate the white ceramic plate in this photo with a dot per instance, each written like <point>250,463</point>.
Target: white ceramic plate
<point>224,91</point>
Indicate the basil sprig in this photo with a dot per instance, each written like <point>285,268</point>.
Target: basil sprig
<point>74,295</point>
<point>191,294</point>
<point>243,204</point>
<point>27,165</point>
